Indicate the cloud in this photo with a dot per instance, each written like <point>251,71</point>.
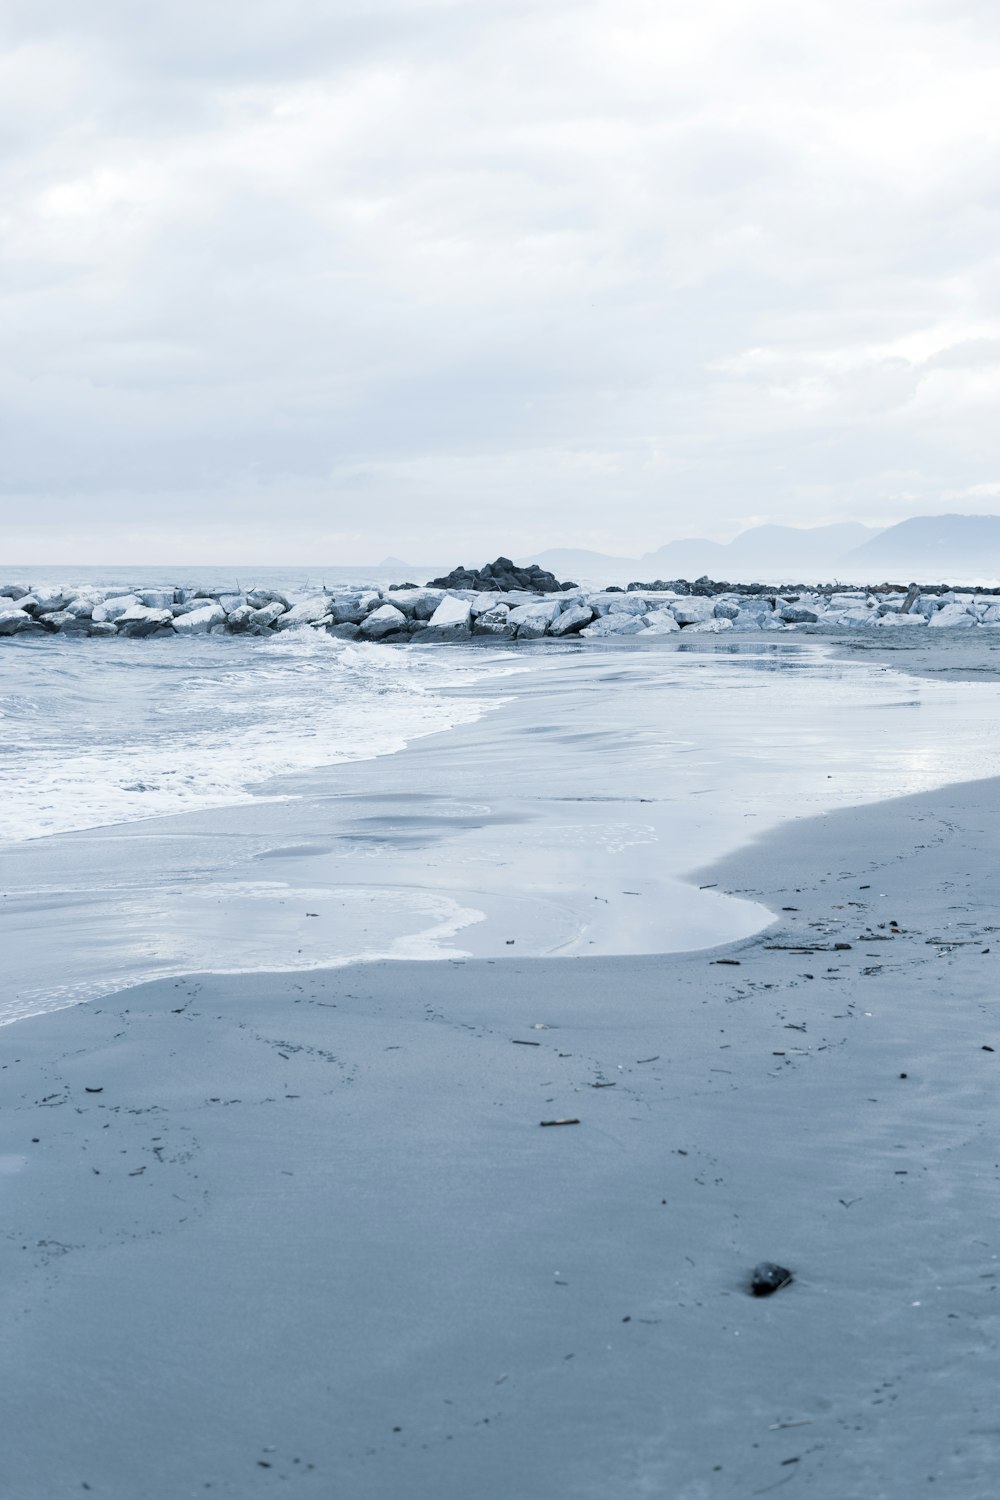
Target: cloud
<point>513,272</point>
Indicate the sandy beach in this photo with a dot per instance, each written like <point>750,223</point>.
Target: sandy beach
<point>307,1230</point>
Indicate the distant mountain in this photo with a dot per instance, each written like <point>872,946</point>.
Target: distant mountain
<point>930,549</point>
<point>764,552</point>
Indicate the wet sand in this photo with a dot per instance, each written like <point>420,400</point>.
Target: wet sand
<point>305,1233</point>
<point>565,821</point>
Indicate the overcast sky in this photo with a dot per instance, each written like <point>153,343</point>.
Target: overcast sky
<point>317,281</point>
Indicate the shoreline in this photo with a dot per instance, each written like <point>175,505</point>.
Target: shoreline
<point>569,821</point>
<point>310,1219</point>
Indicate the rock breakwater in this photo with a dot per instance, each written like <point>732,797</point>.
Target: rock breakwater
<point>455,613</point>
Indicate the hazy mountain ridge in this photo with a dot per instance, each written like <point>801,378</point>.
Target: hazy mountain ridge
<point>938,545</point>
<point>953,548</point>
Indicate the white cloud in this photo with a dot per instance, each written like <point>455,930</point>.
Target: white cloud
<point>515,273</point>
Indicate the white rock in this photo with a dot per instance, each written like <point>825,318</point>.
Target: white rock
<point>708,627</point>
<point>451,614</point>
<point>748,620</point>
<point>157,598</point>
<point>261,620</point>
<point>13,621</point>
<point>114,608</point>
<point>43,601</point>
<point>628,604</point>
<point>260,598</point>
<point>615,625</point>
<point>854,619</point>
<point>61,619</point>
<point>419,604</point>
<point>307,613</point>
<point>661,621</point>
<point>494,621</point>
<point>569,621</point>
<point>382,621</point>
<point>199,621</point>
<point>142,621</point>
<point>82,606</point>
<point>726,609</point>
<point>239,619</point>
<point>533,620</point>
<point>951,617</point>
<point>693,611</point>
<point>351,608</point>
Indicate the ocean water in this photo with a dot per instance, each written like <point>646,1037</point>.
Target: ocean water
<point>98,732</point>
<point>232,804</point>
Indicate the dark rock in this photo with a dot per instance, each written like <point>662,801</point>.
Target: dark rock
<point>796,615</point>
<point>393,586</point>
<point>501,577</point>
<point>767,1278</point>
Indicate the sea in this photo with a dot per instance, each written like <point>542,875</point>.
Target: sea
<point>615,763</point>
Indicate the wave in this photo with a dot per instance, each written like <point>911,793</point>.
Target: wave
<point>89,738</point>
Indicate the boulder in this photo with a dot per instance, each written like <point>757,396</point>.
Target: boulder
<point>628,604</point>
<point>140,621</point>
<point>262,621</point>
<point>382,621</point>
<point>416,604</point>
<point>232,602</point>
<point>199,621</point>
<point>952,616</point>
<point>157,598</point>
<point>692,611</point>
<point>451,614</point>
<point>853,619</point>
<point>83,606</point>
<point>501,576</point>
<point>661,621</point>
<point>307,613</point>
<point>239,619</point>
<point>14,590</point>
<point>114,608</point>
<point>350,609</point>
<point>43,602</point>
<point>748,619</point>
<point>101,628</point>
<point>344,632</point>
<point>615,625</point>
<point>61,619</point>
<point>726,609</point>
<point>794,614</point>
<point>571,620</point>
<point>260,598</point>
<point>708,627</point>
<point>13,621</point>
<point>495,621</point>
<point>533,620</point>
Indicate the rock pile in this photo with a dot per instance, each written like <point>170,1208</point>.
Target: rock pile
<point>452,613</point>
<point>502,577</point>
